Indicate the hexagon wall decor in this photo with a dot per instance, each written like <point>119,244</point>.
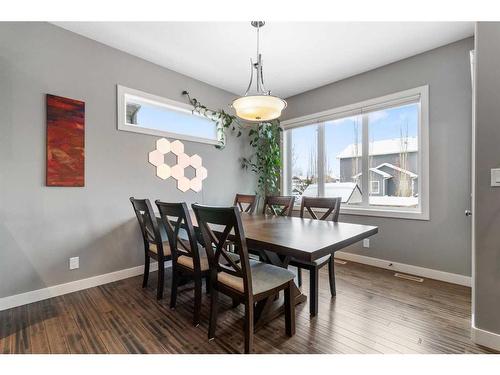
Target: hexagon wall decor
<point>164,171</point>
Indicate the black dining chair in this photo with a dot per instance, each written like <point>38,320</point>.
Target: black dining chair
<point>279,205</point>
<point>247,281</point>
<point>331,207</point>
<point>188,258</point>
<point>240,200</point>
<point>154,247</point>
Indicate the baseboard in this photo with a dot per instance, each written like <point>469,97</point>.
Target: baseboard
<point>485,338</point>
<point>406,268</point>
<point>73,286</point>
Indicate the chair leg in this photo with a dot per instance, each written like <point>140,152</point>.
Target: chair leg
<point>236,303</point>
<point>146,272</point>
<point>197,300</point>
<point>248,327</point>
<point>299,275</point>
<point>173,292</point>
<point>289,310</point>
<point>213,314</point>
<point>313,291</point>
<point>161,279</point>
<point>207,284</point>
<point>331,274</point>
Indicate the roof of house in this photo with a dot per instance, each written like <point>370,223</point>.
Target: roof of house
<point>382,147</point>
<point>333,189</point>
<point>375,170</point>
<point>388,175</point>
<point>392,166</point>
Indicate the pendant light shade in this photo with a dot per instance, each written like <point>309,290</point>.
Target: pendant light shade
<point>259,106</point>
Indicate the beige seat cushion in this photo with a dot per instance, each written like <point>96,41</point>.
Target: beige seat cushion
<point>188,261</point>
<point>264,277</point>
<point>166,248</point>
<point>317,262</point>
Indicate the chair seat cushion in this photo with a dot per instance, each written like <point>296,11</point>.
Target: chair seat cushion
<point>187,261</point>
<point>317,262</point>
<point>264,277</point>
<point>166,248</point>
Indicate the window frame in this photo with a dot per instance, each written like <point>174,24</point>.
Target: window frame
<point>122,92</point>
<point>420,95</point>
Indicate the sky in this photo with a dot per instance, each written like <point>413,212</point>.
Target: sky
<point>385,124</point>
<point>160,118</point>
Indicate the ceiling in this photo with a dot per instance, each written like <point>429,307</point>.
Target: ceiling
<point>297,56</point>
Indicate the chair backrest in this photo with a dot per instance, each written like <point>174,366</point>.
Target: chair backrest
<point>249,200</point>
<point>216,224</point>
<point>332,206</point>
<point>176,219</point>
<point>279,205</point>
<point>148,224</point>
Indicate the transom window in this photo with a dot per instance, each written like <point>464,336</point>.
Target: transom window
<point>145,113</point>
<point>374,155</point>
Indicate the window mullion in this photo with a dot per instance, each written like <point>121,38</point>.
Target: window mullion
<point>287,162</point>
<point>321,160</point>
<point>365,176</point>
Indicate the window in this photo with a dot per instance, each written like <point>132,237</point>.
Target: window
<point>374,188</point>
<point>374,155</point>
<point>145,113</point>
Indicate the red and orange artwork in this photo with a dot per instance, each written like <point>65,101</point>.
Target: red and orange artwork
<point>65,141</point>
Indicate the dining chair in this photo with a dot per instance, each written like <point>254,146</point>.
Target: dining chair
<point>248,281</point>
<point>154,247</point>
<point>188,259</point>
<point>249,200</point>
<point>279,205</point>
<point>331,207</point>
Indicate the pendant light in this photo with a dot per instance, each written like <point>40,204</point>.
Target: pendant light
<point>259,106</point>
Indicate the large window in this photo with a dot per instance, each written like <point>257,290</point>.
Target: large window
<point>145,113</point>
<point>374,155</point>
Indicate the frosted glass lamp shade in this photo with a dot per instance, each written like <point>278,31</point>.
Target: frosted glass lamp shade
<point>259,108</point>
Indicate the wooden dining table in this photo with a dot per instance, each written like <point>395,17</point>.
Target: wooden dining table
<point>281,238</point>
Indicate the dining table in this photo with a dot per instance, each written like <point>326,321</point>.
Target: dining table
<point>281,238</point>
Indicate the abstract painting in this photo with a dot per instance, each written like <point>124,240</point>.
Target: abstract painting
<point>65,142</point>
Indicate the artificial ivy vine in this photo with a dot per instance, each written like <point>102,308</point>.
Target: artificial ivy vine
<point>264,138</point>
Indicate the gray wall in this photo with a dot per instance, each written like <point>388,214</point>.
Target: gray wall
<point>41,227</point>
<point>443,242</point>
<point>487,205</point>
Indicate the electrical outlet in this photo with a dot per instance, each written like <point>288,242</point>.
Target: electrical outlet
<point>366,242</point>
<point>74,263</point>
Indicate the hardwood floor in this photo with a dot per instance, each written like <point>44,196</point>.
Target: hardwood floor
<point>373,312</point>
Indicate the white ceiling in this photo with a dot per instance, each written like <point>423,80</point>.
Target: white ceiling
<point>297,56</point>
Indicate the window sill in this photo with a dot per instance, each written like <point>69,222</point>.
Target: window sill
<point>380,212</point>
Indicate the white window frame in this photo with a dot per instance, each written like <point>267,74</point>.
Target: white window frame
<point>418,94</point>
<point>123,92</point>
<point>372,191</point>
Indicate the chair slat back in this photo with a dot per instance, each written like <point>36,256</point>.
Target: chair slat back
<point>332,206</point>
<point>175,217</point>
<point>249,200</point>
<point>147,222</point>
<point>217,224</point>
<point>279,205</point>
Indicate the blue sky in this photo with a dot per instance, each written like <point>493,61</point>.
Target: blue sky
<point>176,122</point>
<point>385,124</point>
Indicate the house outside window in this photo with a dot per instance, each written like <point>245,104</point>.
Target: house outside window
<point>379,146</point>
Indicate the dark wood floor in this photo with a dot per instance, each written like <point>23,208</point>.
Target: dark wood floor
<point>372,313</point>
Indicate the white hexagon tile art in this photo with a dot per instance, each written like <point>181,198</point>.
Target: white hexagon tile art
<point>164,171</point>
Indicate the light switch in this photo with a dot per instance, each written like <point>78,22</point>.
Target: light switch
<point>495,177</point>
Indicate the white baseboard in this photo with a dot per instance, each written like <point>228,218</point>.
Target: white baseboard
<point>406,268</point>
<point>485,338</point>
<point>73,286</point>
